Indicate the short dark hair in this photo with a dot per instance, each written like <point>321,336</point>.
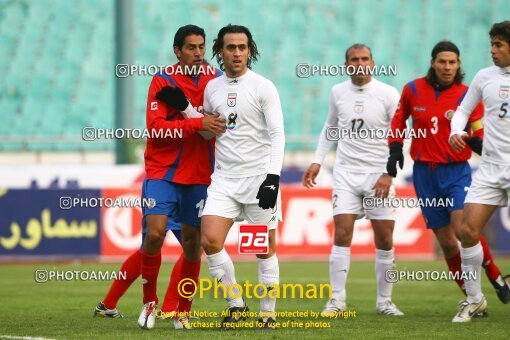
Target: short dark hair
<point>502,30</point>
<point>444,46</point>
<point>356,46</point>
<point>218,43</point>
<point>185,31</point>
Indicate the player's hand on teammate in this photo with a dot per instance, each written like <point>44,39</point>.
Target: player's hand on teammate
<point>310,175</point>
<point>268,191</point>
<point>215,124</point>
<point>457,142</point>
<point>382,186</point>
<point>174,97</point>
<point>396,155</point>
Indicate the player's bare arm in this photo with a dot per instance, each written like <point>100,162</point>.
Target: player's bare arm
<point>310,175</point>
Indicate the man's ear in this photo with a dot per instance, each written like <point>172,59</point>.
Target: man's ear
<point>177,52</point>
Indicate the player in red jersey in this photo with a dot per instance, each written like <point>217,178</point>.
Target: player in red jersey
<point>439,172</point>
<point>178,169</point>
<point>176,180</point>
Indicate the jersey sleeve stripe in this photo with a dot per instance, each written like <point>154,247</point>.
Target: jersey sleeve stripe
<point>412,86</point>
<point>461,97</point>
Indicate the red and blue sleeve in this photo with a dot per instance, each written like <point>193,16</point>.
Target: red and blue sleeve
<point>398,123</point>
<point>156,114</point>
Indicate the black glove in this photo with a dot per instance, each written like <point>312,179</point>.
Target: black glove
<point>268,191</point>
<point>174,97</point>
<point>396,155</point>
<point>476,144</point>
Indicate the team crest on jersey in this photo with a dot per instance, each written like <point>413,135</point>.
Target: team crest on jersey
<point>503,91</point>
<point>231,99</point>
<point>449,114</point>
<point>359,106</point>
<point>152,203</point>
<point>154,106</point>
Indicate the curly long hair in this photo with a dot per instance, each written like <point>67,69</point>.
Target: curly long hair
<point>218,44</point>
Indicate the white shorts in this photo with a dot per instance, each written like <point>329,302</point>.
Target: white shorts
<point>491,185</point>
<point>236,197</point>
<point>349,189</point>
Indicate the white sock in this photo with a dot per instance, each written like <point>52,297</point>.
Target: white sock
<point>222,269</point>
<point>269,274</point>
<point>472,259</point>
<point>384,261</point>
<point>339,262</point>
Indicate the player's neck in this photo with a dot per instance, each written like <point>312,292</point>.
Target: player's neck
<point>231,74</point>
<point>361,81</point>
<point>441,86</point>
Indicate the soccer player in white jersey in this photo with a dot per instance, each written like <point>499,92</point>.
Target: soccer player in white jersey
<point>249,157</point>
<point>360,172</point>
<point>491,183</point>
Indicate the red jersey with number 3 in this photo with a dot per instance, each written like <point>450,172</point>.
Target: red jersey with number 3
<point>431,112</point>
<point>186,160</point>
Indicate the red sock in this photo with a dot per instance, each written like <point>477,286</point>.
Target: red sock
<point>491,270</point>
<point>133,268</point>
<point>454,264</point>
<point>150,271</point>
<point>171,302</point>
<point>190,270</point>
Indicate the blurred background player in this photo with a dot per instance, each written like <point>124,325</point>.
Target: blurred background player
<point>178,170</point>
<point>440,173</point>
<point>491,183</point>
<point>249,159</point>
<point>360,103</point>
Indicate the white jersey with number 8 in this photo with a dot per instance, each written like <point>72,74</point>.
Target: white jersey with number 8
<point>254,141</point>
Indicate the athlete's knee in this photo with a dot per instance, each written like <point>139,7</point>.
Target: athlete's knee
<point>153,241</point>
<point>469,233</point>
<point>343,236</point>
<point>154,236</point>
<point>384,241</point>
<point>210,244</point>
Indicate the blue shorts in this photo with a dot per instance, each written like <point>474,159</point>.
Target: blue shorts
<point>181,203</point>
<point>447,183</point>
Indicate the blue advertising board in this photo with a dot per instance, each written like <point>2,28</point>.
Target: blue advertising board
<point>38,222</point>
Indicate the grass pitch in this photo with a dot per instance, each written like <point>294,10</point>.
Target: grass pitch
<point>64,309</point>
